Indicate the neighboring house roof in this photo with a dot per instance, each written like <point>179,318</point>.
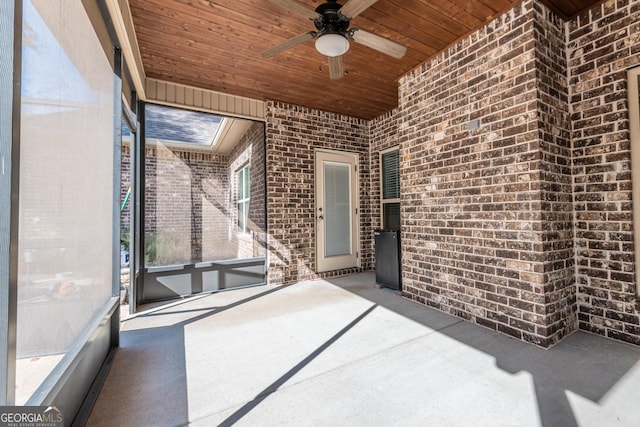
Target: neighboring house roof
<point>178,125</point>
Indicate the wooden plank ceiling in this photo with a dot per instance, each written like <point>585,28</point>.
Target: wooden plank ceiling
<point>217,45</point>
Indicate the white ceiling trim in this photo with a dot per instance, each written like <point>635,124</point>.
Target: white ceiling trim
<point>208,101</point>
<point>123,25</point>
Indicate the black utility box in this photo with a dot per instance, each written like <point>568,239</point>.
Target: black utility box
<point>388,258</point>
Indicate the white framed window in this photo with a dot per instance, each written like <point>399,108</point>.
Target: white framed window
<point>390,189</point>
<point>243,197</point>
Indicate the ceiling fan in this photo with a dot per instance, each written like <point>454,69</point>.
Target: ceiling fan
<point>333,34</point>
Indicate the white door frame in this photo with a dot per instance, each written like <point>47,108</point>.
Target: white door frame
<point>633,76</point>
<point>351,260</point>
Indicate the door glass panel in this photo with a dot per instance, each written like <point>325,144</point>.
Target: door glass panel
<point>337,182</point>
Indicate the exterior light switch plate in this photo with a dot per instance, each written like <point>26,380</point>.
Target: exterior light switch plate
<point>474,124</point>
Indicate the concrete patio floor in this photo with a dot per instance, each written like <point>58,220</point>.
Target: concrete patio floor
<point>342,352</point>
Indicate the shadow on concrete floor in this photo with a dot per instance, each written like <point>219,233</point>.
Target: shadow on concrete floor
<point>152,365</point>
<point>584,364</point>
<point>326,353</point>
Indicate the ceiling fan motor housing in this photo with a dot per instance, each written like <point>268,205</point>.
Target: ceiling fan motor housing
<point>332,22</point>
<point>332,37</point>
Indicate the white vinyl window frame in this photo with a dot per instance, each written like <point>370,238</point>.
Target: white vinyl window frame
<point>384,201</point>
<point>243,198</point>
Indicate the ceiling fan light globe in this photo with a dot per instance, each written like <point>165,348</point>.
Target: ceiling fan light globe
<point>332,44</point>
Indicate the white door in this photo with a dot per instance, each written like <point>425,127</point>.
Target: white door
<point>337,219</point>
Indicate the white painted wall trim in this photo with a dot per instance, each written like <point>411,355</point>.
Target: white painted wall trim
<point>634,123</point>
<point>123,24</point>
<point>208,101</point>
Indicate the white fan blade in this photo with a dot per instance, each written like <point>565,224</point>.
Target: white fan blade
<point>335,67</point>
<point>288,44</point>
<point>296,7</point>
<point>378,43</point>
<point>354,8</point>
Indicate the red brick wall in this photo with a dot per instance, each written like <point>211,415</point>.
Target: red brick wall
<point>603,44</point>
<point>555,175</point>
<point>292,134</point>
<point>486,206</point>
<point>488,214</point>
<point>125,183</point>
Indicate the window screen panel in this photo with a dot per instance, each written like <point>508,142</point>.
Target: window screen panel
<point>66,187</point>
